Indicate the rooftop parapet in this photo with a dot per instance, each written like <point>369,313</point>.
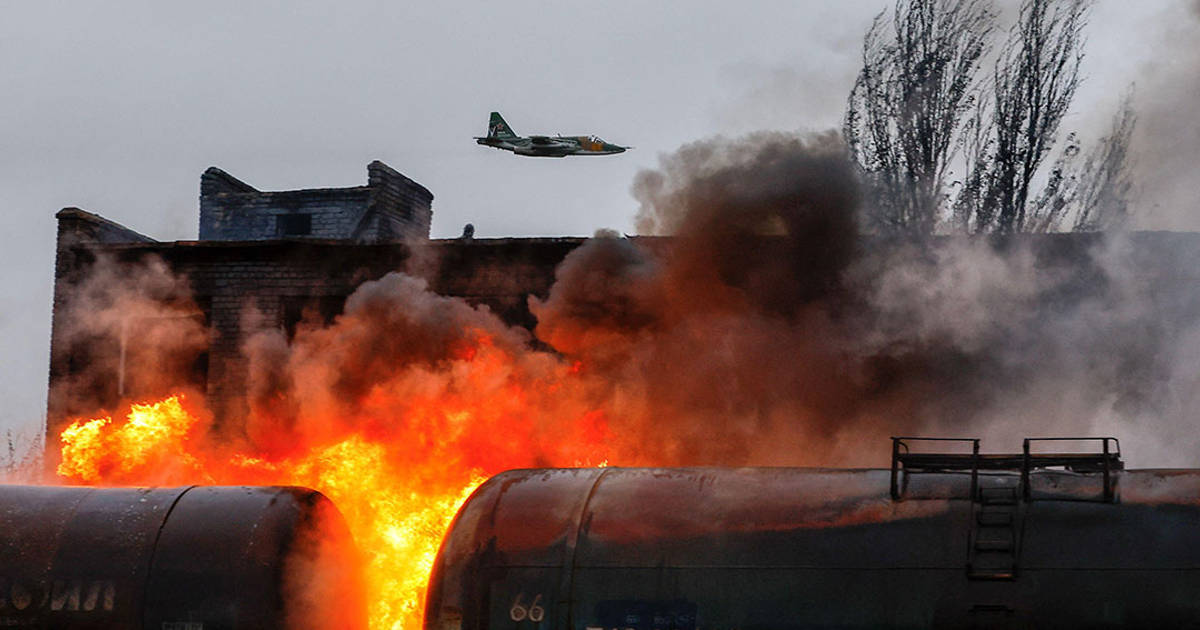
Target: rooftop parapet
<point>391,207</point>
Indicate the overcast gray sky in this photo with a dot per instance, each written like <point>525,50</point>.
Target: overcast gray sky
<point>117,107</point>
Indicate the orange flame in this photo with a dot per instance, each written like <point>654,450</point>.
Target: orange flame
<point>153,437</point>
<point>398,489</point>
<point>397,521</point>
<point>396,444</point>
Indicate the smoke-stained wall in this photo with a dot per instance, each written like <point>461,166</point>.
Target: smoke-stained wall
<point>945,341</point>
<point>767,329</point>
<point>233,288</point>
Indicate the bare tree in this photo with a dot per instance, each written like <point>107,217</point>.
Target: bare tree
<point>1107,182</point>
<point>1035,79</point>
<point>1095,195</point>
<point>912,96</point>
<point>976,144</point>
<point>1061,192</point>
<point>20,461</point>
<point>916,109</point>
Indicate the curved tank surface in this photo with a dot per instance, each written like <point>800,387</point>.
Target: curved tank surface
<point>189,558</point>
<point>780,548</point>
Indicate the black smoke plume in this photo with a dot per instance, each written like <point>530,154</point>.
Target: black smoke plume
<point>768,330</point>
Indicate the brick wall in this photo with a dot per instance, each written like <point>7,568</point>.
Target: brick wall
<point>243,263</point>
<point>279,280</point>
<point>501,273</point>
<point>81,235</point>
<point>240,267</point>
<point>390,207</point>
<point>401,208</point>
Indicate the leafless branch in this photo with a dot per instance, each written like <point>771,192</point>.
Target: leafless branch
<point>1035,80</point>
<point>913,94</point>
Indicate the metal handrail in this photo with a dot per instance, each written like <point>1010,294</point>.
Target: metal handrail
<point>899,442</point>
<point>1107,460</point>
<point>1107,456</point>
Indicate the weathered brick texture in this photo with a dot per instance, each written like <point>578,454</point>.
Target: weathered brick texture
<point>244,276</point>
<point>391,207</point>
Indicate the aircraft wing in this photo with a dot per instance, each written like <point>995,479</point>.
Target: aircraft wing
<point>543,140</point>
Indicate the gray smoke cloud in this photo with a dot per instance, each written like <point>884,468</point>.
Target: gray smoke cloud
<point>726,327</point>
<point>755,325</point>
<point>1053,335</point>
<point>1166,142</point>
<point>768,330</point>
<point>394,333</point>
<point>128,331</point>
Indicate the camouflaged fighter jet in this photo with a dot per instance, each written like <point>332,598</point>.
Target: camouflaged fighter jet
<point>501,136</point>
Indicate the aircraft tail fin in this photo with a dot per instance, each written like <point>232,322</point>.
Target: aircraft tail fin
<point>499,129</point>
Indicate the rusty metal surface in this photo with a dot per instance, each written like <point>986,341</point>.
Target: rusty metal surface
<point>77,557</point>
<point>808,548</point>
<point>761,517</point>
<point>526,521</point>
<point>128,558</point>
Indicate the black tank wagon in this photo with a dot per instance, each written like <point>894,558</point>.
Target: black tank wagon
<point>189,558</point>
<point>1028,540</point>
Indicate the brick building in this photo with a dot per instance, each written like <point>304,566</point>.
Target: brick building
<point>287,254</point>
<point>293,255</point>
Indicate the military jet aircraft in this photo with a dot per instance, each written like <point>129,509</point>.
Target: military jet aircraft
<point>501,136</point>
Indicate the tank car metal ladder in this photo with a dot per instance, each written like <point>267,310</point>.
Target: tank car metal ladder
<point>992,554</point>
<point>998,501</point>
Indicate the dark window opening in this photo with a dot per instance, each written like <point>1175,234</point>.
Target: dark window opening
<point>293,224</point>
<point>309,311</point>
<point>199,370</point>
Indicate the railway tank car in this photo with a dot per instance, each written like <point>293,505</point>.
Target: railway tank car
<point>941,539</point>
<point>188,558</point>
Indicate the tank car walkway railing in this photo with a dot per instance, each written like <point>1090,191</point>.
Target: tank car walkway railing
<point>997,500</point>
<point>1106,461</point>
<point>933,462</point>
